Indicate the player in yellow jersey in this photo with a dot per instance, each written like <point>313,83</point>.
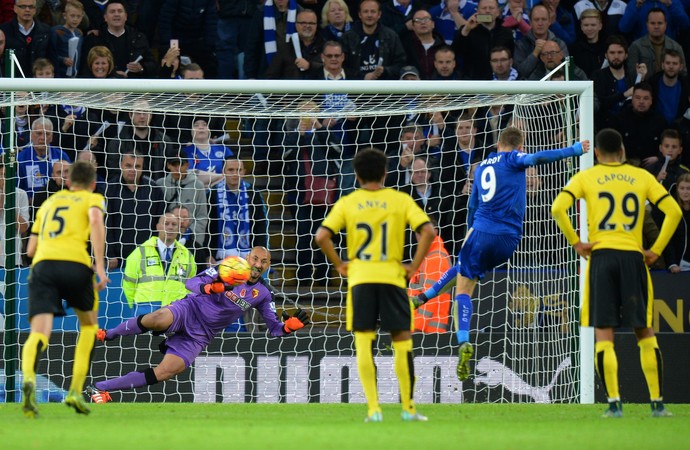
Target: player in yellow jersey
<point>618,288</point>
<point>375,219</point>
<point>62,269</point>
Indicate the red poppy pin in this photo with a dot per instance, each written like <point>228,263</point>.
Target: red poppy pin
<point>28,39</point>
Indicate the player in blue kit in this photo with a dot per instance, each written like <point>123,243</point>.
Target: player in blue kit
<point>209,308</point>
<point>496,212</point>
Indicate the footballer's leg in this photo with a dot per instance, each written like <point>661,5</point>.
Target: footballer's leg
<point>364,341</point>
<point>404,370</point>
<point>606,365</point>
<point>159,320</point>
<point>36,343</point>
<point>465,288</point>
<point>82,359</point>
<point>652,366</point>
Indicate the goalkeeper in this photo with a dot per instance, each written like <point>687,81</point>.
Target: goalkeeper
<point>496,212</point>
<point>208,309</point>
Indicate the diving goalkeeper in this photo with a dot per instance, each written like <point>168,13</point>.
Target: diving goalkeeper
<point>210,307</point>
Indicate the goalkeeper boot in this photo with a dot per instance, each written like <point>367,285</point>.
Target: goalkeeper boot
<point>615,410</point>
<point>75,400</point>
<point>29,407</point>
<point>407,416</point>
<point>374,417</point>
<point>465,354</point>
<point>658,410</point>
<point>98,396</point>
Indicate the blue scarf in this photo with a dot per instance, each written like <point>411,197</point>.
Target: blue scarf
<point>336,32</point>
<point>233,212</point>
<point>270,44</point>
<point>76,110</point>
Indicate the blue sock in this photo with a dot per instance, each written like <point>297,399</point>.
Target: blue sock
<point>464,316</point>
<point>449,275</point>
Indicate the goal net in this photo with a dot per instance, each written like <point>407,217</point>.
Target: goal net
<point>296,141</point>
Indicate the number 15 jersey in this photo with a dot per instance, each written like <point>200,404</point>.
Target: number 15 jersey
<point>62,226</point>
<point>616,195</point>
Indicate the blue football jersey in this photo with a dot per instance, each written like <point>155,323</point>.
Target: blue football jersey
<point>499,193</point>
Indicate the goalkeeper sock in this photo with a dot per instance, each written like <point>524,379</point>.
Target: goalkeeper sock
<point>364,343</point>
<point>129,381</point>
<point>35,344</point>
<point>448,276</point>
<point>606,364</point>
<point>82,356</point>
<point>404,369</point>
<point>652,366</point>
<point>464,316</point>
<point>127,328</point>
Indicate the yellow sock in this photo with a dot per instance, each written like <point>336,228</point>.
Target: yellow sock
<point>404,369</point>
<point>652,366</point>
<point>364,341</point>
<point>606,364</point>
<point>82,356</point>
<point>35,344</point>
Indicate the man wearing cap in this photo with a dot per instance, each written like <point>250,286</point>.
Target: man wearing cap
<point>409,73</point>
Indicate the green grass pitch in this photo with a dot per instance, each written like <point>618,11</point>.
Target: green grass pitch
<point>340,426</point>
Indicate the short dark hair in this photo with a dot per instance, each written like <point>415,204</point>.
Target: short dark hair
<point>501,48</point>
<point>124,4</point>
<point>176,158</point>
<point>670,133</point>
<point>617,39</point>
<point>608,141</point>
<point>370,164</point>
<point>82,173</point>
<point>511,137</point>
<point>644,86</point>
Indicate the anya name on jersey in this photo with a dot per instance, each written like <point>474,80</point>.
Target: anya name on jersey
<point>372,204</point>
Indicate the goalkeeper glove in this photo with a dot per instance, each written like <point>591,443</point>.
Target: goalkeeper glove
<point>297,321</point>
<point>418,300</point>
<point>214,287</point>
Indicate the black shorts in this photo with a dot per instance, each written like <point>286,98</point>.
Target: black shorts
<point>52,281</point>
<point>618,290</point>
<point>374,301</point>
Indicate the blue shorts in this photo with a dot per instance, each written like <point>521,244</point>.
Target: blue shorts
<point>482,252</point>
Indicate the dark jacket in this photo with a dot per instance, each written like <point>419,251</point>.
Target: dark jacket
<point>684,92</point>
<point>188,20</point>
<point>137,45</point>
<point>610,100</point>
<point>475,49</point>
<point>588,57</point>
<point>419,56</point>
<point>29,48</point>
<point>640,131</point>
<point>283,63</point>
<point>390,50</point>
<point>236,8</point>
<point>153,148</point>
<point>679,247</point>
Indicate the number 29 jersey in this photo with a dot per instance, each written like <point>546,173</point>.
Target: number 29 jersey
<point>498,195</point>
<point>375,222</point>
<point>616,195</point>
<point>62,226</point>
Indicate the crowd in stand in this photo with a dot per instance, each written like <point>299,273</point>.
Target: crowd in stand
<point>634,52</point>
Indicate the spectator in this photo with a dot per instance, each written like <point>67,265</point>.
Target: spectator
<point>35,162</point>
<point>234,21</point>
<point>27,36</point>
<point>649,49</point>
<point>290,66</point>
<point>201,252</point>
<point>397,15</point>
<point>22,127</point>
<point>43,68</point>
<point>170,63</point>
<point>551,56</point>
<point>683,127</point>
<point>194,24</point>
<point>206,158</point>
<point>562,21</point>
<point>474,41</point>
<point>88,155</point>
<point>677,253</point>
<point>444,64</point>
<point>451,15</point>
<point>3,42</point>
<point>667,167</point>
<point>610,13</point>
<point>57,182</point>
<point>66,41</point>
<point>140,135</point>
<point>529,48</point>
<point>633,21</point>
<point>372,50</point>
<point>156,271</point>
<point>501,60</point>
<point>335,20</point>
<point>181,187</point>
<point>21,222</point>
<point>332,58</point>
<point>434,315</point>
<point>640,125</point>
<point>99,63</point>
<point>238,214</point>
<point>515,18</point>
<point>264,43</point>
<point>588,50</point>
<point>422,43</point>
<point>130,48</point>
<point>613,85</point>
<point>671,88</point>
<point>135,204</point>
<point>412,144</point>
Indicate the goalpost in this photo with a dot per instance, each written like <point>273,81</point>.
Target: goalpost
<point>529,346</point>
